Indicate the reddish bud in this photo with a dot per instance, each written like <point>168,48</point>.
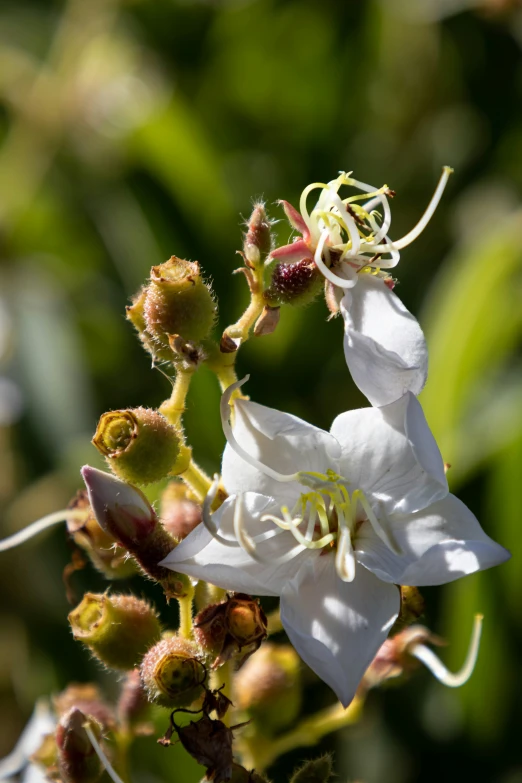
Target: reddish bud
<point>258,239</point>
<point>77,759</point>
<point>296,283</point>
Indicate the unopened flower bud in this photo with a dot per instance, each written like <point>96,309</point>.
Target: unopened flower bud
<point>295,283</point>
<point>314,771</point>
<point>140,445</point>
<point>77,759</point>
<point>124,512</point>
<point>104,553</point>
<point>133,705</point>
<point>172,673</point>
<point>179,511</point>
<point>258,239</point>
<point>177,302</point>
<point>234,628</point>
<point>118,629</point>
<point>268,687</point>
<point>87,698</point>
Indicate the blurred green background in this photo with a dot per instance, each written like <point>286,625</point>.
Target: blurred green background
<point>130,131</point>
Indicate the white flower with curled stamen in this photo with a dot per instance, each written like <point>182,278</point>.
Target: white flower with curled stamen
<point>348,241</point>
<point>331,522</point>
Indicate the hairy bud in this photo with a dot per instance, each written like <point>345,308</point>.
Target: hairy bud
<point>87,698</point>
<point>77,759</point>
<point>314,771</point>
<point>177,302</point>
<point>179,511</point>
<point>258,239</point>
<point>234,628</point>
<point>295,283</point>
<point>124,512</point>
<point>104,553</point>
<point>172,673</point>
<point>140,445</point>
<point>268,687</point>
<point>118,629</point>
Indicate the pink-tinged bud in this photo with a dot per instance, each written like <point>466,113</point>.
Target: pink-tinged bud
<point>179,511</point>
<point>77,759</point>
<point>295,283</point>
<point>140,445</point>
<point>268,687</point>
<point>258,239</point>
<point>172,672</point>
<point>125,513</point>
<point>102,549</point>
<point>87,698</point>
<point>133,706</point>
<point>234,628</point>
<point>118,629</point>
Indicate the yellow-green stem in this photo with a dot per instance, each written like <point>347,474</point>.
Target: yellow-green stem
<point>222,678</point>
<point>259,753</point>
<point>226,376</point>
<point>197,480</point>
<point>241,328</point>
<point>274,624</point>
<point>174,408</point>
<point>185,615</point>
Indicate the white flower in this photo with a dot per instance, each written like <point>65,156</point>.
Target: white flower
<point>331,523</point>
<point>384,345</point>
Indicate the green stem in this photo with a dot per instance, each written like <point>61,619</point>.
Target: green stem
<point>185,615</point>
<point>197,480</point>
<point>174,408</point>
<point>259,752</point>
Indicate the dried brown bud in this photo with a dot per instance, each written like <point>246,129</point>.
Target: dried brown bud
<point>172,672</point>
<point>234,628</point>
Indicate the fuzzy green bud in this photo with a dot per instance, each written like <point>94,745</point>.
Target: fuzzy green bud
<point>172,673</point>
<point>294,283</point>
<point>177,302</point>
<point>140,445</point>
<point>118,629</point>
<point>77,759</point>
<point>268,687</point>
<point>124,512</point>
<point>314,771</point>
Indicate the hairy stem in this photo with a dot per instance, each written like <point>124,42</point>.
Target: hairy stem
<point>174,408</point>
<point>185,614</point>
<point>197,480</point>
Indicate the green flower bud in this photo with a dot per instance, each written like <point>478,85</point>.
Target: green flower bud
<point>295,283</point>
<point>172,673</point>
<point>268,687</point>
<point>77,759</point>
<point>314,771</point>
<point>140,445</point>
<point>177,302</point>
<point>118,629</point>
<point>102,549</point>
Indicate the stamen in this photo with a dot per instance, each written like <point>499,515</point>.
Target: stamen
<point>248,543</point>
<point>206,515</point>
<point>381,526</point>
<point>331,276</point>
<point>345,557</point>
<point>349,222</point>
<point>101,755</point>
<point>231,439</point>
<point>437,668</point>
<point>293,527</point>
<point>39,526</point>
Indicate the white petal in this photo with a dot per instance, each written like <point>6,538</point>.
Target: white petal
<point>440,544</point>
<point>203,557</point>
<point>41,722</point>
<point>384,345</point>
<point>335,626</point>
<point>281,441</point>
<point>391,455</point>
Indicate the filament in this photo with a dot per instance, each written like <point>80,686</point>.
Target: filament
<point>206,516</point>
<point>437,668</point>
<point>345,557</point>
<point>101,754</point>
<point>249,544</point>
<point>331,276</point>
<point>39,526</point>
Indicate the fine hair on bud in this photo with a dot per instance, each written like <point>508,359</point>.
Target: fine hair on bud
<point>258,239</point>
<point>294,283</point>
<point>314,771</point>
<point>176,302</point>
<point>172,672</point>
<point>86,697</point>
<point>107,556</point>
<point>117,629</point>
<point>77,759</point>
<point>180,512</point>
<point>140,445</point>
<point>268,687</point>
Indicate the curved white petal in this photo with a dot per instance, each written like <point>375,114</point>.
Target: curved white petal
<point>202,557</point>
<point>391,455</point>
<point>281,441</point>
<point>440,544</point>
<point>335,626</point>
<point>384,345</point>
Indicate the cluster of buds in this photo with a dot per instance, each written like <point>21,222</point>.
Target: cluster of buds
<point>234,628</point>
<point>174,312</point>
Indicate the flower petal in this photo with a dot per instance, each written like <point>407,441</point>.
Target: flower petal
<point>440,544</point>
<point>384,345</point>
<point>335,626</point>
<point>41,723</point>
<point>281,441</point>
<point>391,455</point>
<point>203,557</point>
